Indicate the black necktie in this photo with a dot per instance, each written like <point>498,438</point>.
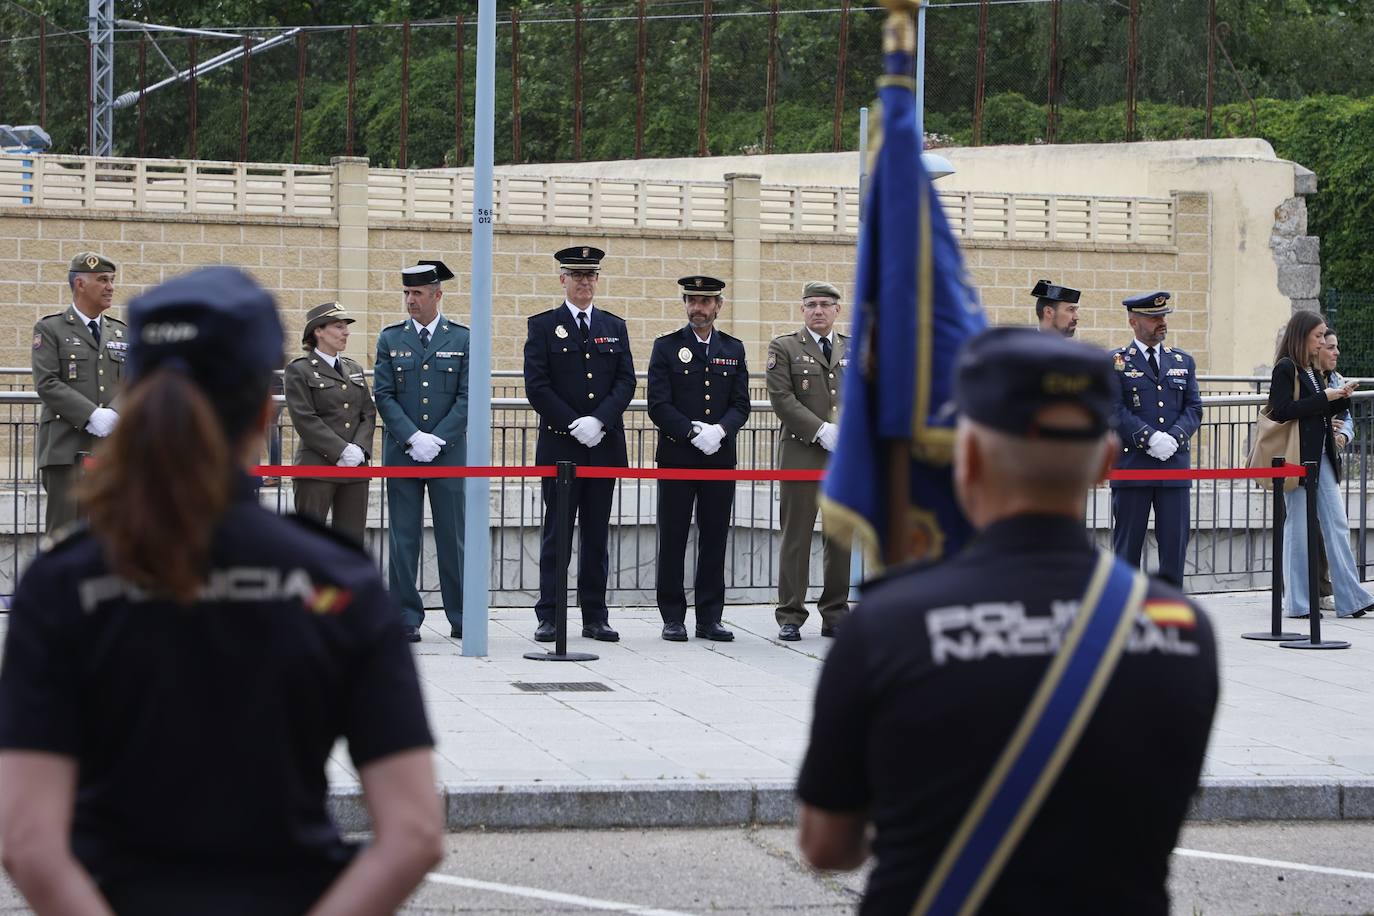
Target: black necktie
<point>424,337</point>
<point>582,326</point>
<point>825,348</point>
<point>1154,365</point>
<point>95,329</point>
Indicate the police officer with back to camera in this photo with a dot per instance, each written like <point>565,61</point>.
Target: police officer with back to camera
<point>177,673</point>
<point>579,378</point>
<point>982,634</point>
<point>1158,410</point>
<point>804,371</point>
<point>420,381</point>
<point>699,400</point>
<point>78,362</point>
<point>334,419</point>
<point>1056,308</point>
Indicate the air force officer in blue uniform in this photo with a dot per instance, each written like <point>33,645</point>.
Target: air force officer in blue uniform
<point>698,399</point>
<point>1158,412</point>
<point>579,377</point>
<point>421,389</point>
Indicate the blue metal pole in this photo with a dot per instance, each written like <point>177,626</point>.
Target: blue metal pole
<point>477,558</point>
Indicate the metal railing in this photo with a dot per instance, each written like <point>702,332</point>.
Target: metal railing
<point>1230,546</point>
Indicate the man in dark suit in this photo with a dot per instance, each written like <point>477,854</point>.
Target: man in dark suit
<point>579,377</point>
<point>698,399</point>
<point>1158,410</point>
<point>421,388</point>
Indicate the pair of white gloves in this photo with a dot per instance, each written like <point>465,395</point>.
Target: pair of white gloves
<point>351,456</point>
<point>828,436</point>
<point>707,438</point>
<point>1161,446</point>
<point>423,447</point>
<point>102,422</point>
<point>587,430</point>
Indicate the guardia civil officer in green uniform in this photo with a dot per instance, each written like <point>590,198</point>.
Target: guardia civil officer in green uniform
<point>421,379</point>
<point>923,699</point>
<point>334,418</point>
<point>804,370</point>
<point>78,361</point>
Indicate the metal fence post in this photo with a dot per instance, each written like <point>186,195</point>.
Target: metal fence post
<point>1314,614</point>
<point>562,513</point>
<point>1275,632</point>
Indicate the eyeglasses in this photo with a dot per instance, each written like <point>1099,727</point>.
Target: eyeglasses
<point>581,274</point>
<point>819,304</point>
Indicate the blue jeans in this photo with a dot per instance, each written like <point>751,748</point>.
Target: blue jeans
<point>1350,595</point>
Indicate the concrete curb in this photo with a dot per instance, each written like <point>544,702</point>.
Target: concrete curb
<point>547,806</point>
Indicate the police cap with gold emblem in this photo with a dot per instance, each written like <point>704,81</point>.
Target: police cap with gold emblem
<point>1149,304</point>
<point>1007,376</point>
<point>1044,289</point>
<point>701,286</point>
<point>579,257</point>
<point>90,262</point>
<point>425,272</point>
<point>321,315</point>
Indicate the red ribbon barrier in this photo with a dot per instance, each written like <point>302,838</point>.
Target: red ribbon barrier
<point>433,472</point>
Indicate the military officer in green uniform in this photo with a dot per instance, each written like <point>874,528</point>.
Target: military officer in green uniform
<point>334,418</point>
<point>78,361</point>
<point>421,384</point>
<point>804,370</point>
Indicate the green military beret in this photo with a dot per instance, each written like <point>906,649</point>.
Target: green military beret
<point>91,262</point>
<point>820,288</point>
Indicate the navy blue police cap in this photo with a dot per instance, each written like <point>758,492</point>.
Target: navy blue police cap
<point>701,286</point>
<point>1006,376</point>
<point>1149,304</point>
<point>216,324</point>
<point>579,257</point>
<point>1047,290</point>
<point>424,273</point>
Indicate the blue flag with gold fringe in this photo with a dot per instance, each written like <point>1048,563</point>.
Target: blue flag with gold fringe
<point>890,481</point>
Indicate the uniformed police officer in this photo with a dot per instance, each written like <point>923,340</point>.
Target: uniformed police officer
<point>804,371</point>
<point>78,360</point>
<point>190,624</point>
<point>980,634</point>
<point>334,418</point>
<point>1056,308</point>
<point>579,377</point>
<point>1158,410</point>
<point>699,400</point>
<point>421,384</point>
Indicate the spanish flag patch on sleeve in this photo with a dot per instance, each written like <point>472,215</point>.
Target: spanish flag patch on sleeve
<point>1171,614</point>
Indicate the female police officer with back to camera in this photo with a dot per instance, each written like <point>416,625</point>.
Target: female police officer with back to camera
<point>175,677</point>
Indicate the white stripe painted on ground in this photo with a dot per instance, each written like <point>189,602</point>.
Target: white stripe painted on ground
<point>1274,863</point>
<point>590,903</point>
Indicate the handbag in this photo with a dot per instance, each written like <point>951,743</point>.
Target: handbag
<point>1270,439</point>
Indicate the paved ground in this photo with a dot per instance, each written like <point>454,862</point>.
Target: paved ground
<point>739,711</point>
<point>1218,870</point>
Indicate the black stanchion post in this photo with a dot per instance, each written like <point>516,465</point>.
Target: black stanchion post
<point>1275,632</point>
<point>1314,616</point>
<point>562,539</point>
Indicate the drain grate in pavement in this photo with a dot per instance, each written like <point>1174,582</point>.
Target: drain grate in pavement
<point>562,686</point>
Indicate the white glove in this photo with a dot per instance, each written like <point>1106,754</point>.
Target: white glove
<point>709,438</point>
<point>351,456</point>
<point>424,447</point>
<point>597,441</point>
<point>1162,446</point>
<point>828,436</point>
<point>102,422</point>
<point>587,430</point>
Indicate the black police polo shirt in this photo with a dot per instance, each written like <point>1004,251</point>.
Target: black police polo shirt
<point>930,676</point>
<point>202,733</point>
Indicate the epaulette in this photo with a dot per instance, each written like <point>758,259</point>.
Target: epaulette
<point>398,324</point>
<point>300,359</point>
<point>607,314</point>
<point>111,318</point>
<point>319,527</point>
<point>63,537</point>
<point>53,315</point>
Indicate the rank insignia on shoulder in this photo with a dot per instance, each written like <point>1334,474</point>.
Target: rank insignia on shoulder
<point>560,332</point>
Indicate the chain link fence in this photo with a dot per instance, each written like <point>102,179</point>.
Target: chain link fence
<point>628,78</point>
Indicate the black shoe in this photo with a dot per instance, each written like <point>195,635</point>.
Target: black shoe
<point>1298,616</point>
<point>412,634</point>
<point>1368,608</point>
<point>544,633</point>
<point>455,632</point>
<point>714,632</point>
<point>674,632</point>
<point>600,632</point>
<point>830,632</point>
<point>789,632</point>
